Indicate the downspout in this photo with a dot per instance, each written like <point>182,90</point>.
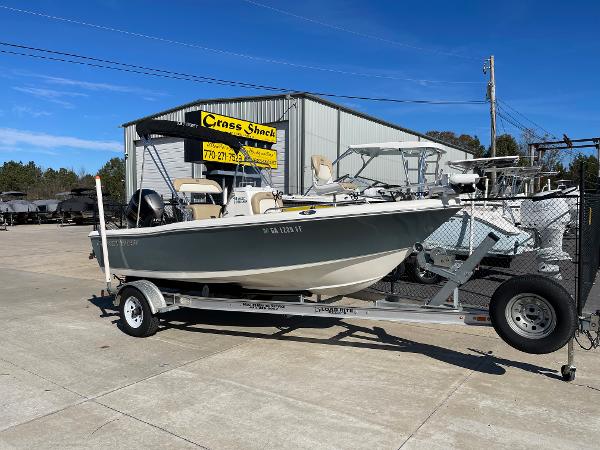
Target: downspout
<point>302,144</point>
<point>337,143</point>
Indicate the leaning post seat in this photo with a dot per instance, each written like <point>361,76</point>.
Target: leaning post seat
<point>323,183</point>
<point>200,211</point>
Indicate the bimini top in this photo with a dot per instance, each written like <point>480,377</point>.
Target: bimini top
<point>185,130</point>
<point>408,148</point>
<point>484,163</point>
<point>524,171</point>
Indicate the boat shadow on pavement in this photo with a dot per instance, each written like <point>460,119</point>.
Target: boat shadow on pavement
<point>202,321</point>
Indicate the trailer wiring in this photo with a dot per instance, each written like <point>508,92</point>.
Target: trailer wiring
<point>594,341</point>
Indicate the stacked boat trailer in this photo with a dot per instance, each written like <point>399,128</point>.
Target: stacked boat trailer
<point>141,301</point>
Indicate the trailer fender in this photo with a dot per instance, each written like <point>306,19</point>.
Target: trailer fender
<point>149,290</point>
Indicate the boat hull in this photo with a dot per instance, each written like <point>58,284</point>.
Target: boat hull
<point>324,252</point>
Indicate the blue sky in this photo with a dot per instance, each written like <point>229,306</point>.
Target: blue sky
<point>59,114</point>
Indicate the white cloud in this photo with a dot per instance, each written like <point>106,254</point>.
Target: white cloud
<point>9,149</point>
<point>109,87</point>
<point>26,111</point>
<point>10,137</point>
<point>51,95</point>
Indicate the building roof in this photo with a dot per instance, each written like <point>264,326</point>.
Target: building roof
<point>313,97</point>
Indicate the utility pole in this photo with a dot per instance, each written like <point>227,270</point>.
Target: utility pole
<point>491,95</point>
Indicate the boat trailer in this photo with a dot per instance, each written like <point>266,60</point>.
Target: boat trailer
<point>532,313</point>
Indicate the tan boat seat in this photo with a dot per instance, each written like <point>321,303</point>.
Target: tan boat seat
<point>323,183</point>
<point>322,168</point>
<point>197,186</point>
<point>262,201</point>
<point>205,211</point>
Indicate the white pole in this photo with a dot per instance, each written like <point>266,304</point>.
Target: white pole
<point>103,234</point>
<point>486,193</point>
<point>471,224</point>
<point>549,185</point>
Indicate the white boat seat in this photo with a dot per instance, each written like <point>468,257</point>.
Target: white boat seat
<point>323,183</point>
<point>202,211</point>
<point>262,201</point>
<point>197,186</point>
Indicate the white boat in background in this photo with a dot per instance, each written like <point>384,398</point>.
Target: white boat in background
<point>500,215</point>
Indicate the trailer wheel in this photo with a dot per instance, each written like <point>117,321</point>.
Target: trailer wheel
<point>533,314</point>
<point>136,316</point>
<point>420,275</point>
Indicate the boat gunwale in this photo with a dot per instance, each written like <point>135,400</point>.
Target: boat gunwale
<point>258,220</point>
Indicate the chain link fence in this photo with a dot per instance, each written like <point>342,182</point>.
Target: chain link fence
<point>538,235</point>
<point>589,248</point>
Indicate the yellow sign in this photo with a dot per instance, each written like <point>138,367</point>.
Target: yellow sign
<point>238,127</point>
<point>263,157</point>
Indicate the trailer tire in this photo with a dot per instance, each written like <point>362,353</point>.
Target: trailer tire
<point>533,314</point>
<point>136,316</point>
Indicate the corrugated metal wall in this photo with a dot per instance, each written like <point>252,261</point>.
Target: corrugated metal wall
<point>320,135</point>
<point>265,111</point>
<point>327,130</point>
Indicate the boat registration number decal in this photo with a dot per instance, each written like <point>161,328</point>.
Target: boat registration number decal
<point>284,229</point>
<point>122,243</point>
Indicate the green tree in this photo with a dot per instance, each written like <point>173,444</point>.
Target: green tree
<point>507,145</point>
<point>112,175</point>
<point>86,181</point>
<point>590,168</point>
<point>465,141</point>
<point>16,176</point>
<point>54,181</point>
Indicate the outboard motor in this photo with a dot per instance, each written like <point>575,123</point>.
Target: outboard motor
<point>152,208</point>
<point>550,217</point>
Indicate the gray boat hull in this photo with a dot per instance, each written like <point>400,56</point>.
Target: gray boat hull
<point>323,253</point>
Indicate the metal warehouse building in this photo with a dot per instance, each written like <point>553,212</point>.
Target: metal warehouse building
<point>305,125</point>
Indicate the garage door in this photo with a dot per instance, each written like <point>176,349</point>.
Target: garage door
<point>171,153</point>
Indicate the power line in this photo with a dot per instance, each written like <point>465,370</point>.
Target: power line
<point>502,125</point>
<point>528,119</point>
<point>230,53</point>
<point>132,68</point>
<point>357,33</point>
<point>514,122</point>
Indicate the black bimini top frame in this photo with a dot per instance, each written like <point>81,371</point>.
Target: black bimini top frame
<point>186,131</point>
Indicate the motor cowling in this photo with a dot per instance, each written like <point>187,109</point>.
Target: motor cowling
<point>151,209</point>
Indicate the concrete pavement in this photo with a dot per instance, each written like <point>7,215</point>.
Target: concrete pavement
<point>70,378</point>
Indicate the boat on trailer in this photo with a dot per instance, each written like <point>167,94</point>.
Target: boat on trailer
<point>531,313</point>
<point>253,242</point>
